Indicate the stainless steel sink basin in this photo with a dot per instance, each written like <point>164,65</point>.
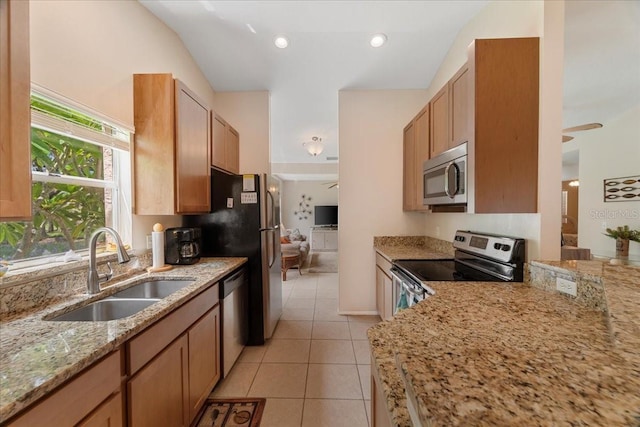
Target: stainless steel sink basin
<point>153,288</point>
<point>106,309</point>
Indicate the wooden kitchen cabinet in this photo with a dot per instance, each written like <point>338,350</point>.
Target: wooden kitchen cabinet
<point>225,145</point>
<point>379,412</point>
<point>408,169</point>
<point>415,151</point>
<point>15,111</point>
<point>170,154</point>
<point>87,400</point>
<point>156,393</point>
<point>204,359</point>
<point>440,121</point>
<point>504,116</point>
<point>175,363</point>
<point>459,99</point>
<point>384,288</point>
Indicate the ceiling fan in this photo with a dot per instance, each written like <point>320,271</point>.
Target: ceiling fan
<point>587,126</point>
<point>331,184</point>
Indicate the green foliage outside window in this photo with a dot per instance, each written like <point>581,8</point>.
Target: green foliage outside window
<point>64,215</point>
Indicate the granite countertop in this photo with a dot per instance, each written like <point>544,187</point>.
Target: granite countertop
<point>512,354</point>
<point>38,355</point>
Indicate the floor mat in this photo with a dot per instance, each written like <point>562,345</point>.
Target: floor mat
<point>231,413</point>
<point>323,262</point>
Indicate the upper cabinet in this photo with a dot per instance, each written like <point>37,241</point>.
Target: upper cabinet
<point>225,145</point>
<point>15,113</point>
<point>503,147</point>
<point>170,156</point>
<point>416,150</point>
<point>440,121</point>
<point>408,170</point>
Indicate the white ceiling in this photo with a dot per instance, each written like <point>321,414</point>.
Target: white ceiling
<point>329,51</point>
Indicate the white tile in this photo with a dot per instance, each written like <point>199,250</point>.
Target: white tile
<point>362,351</point>
<point>300,303</point>
<point>328,303</point>
<point>330,331</point>
<point>302,293</point>
<point>333,382</point>
<point>287,351</point>
<point>252,354</point>
<point>237,382</point>
<point>334,413</point>
<point>309,285</point>
<point>280,380</point>
<point>282,413</point>
<point>295,329</point>
<point>327,310</point>
<point>359,330</point>
<point>365,380</point>
<point>332,351</point>
<point>297,314</point>
<point>327,292</point>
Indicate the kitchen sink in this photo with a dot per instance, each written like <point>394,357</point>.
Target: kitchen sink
<point>106,309</point>
<point>153,288</point>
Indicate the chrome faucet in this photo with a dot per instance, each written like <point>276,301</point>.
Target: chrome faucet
<point>94,279</point>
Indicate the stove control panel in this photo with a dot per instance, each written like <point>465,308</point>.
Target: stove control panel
<point>500,248</point>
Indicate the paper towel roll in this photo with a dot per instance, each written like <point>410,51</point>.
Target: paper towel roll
<point>157,248</point>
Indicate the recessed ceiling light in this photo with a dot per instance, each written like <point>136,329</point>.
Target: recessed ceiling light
<point>378,40</point>
<point>281,42</point>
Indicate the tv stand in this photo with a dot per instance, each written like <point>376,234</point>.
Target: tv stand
<point>324,238</point>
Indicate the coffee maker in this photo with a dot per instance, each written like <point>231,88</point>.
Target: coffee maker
<point>182,245</point>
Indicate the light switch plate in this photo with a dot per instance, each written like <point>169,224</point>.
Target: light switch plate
<point>566,286</point>
<point>229,202</point>
<point>149,241</point>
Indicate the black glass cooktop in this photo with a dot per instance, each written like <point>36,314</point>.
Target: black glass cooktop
<point>446,270</point>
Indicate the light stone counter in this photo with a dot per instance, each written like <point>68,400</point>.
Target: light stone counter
<point>38,355</point>
<point>514,354</point>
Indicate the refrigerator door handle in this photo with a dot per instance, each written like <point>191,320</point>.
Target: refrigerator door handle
<point>273,251</point>
<point>271,218</point>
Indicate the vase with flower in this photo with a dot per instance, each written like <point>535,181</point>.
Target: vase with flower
<point>623,236</point>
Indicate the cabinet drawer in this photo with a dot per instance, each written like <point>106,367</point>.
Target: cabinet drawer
<point>384,264</point>
<point>77,399</point>
<point>144,347</point>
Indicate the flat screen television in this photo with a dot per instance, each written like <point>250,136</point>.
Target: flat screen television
<point>326,215</point>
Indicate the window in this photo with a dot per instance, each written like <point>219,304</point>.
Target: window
<point>78,184</point>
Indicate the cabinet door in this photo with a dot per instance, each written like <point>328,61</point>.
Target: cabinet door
<point>440,121</point>
<point>421,124</point>
<point>204,359</point>
<point>379,412</point>
<point>232,147</point>
<point>408,169</point>
<point>317,240</point>
<point>192,153</point>
<point>218,146</point>
<point>15,113</point>
<point>156,394</point>
<point>331,240</point>
<point>109,414</point>
<point>460,103</point>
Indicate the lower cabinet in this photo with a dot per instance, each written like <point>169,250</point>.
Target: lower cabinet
<point>384,288</point>
<point>324,240</point>
<point>379,412</point>
<point>92,398</point>
<point>204,359</point>
<point>174,364</point>
<point>156,395</point>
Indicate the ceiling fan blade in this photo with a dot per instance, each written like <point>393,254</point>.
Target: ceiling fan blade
<point>587,126</point>
<point>566,138</point>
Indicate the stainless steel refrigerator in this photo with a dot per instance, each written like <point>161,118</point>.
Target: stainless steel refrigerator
<point>245,221</point>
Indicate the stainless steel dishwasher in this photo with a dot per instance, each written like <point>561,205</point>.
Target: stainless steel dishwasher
<point>233,294</point>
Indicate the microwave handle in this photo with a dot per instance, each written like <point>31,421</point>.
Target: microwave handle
<point>446,179</point>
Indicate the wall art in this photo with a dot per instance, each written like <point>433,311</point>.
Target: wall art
<point>304,208</point>
<point>623,189</point>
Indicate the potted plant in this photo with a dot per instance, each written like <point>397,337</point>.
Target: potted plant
<point>623,235</point>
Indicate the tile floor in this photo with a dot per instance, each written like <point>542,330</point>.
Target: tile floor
<point>315,370</point>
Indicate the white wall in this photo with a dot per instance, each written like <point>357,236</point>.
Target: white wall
<point>610,152</point>
<point>291,197</point>
<point>370,170</point>
<point>88,52</point>
<point>248,113</point>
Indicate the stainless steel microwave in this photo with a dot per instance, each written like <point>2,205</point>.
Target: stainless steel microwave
<point>444,180</point>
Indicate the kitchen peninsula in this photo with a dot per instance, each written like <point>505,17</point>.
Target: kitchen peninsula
<point>512,354</point>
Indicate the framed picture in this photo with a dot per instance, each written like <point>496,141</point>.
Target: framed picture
<point>623,189</point>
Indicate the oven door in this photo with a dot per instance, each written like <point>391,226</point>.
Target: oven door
<point>444,179</point>
<point>406,293</point>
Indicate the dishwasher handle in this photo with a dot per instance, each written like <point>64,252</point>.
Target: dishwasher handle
<point>233,282</point>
